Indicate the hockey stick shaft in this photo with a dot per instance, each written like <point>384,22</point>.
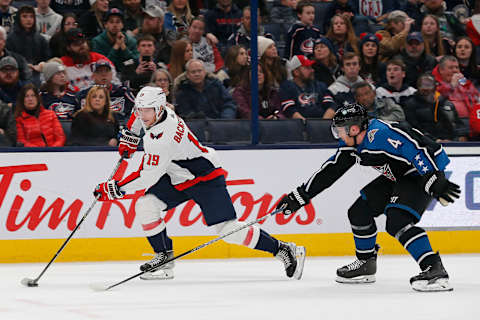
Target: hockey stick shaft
<point>197,248</point>
<point>77,226</point>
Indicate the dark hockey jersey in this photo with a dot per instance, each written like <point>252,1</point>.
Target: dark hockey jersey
<point>393,149</point>
<point>64,106</point>
<point>300,40</point>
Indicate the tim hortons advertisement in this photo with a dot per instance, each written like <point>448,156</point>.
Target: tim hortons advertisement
<point>45,194</point>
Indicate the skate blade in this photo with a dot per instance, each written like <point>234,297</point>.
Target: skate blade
<point>438,285</point>
<point>300,254</point>
<point>359,279</point>
<point>163,274</point>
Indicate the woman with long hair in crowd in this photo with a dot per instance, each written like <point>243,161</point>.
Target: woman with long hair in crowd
<point>268,99</point>
<point>162,78</point>
<point>95,124</point>
<point>275,69</point>
<point>369,56</point>
<point>434,44</point>
<point>36,126</point>
<point>236,59</point>
<point>466,53</point>
<point>178,17</point>
<point>181,52</point>
<point>326,66</point>
<point>342,35</point>
<point>58,42</point>
<point>92,21</point>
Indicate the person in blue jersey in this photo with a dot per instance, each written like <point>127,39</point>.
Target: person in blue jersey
<point>412,174</point>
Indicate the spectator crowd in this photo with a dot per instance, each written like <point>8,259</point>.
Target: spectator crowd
<point>79,64</point>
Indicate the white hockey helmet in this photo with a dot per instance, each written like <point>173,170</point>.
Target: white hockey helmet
<point>151,97</point>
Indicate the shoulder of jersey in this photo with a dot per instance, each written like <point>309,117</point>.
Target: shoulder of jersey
<point>377,130</point>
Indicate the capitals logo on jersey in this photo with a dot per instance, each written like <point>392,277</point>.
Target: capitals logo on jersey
<point>156,136</point>
<point>386,171</point>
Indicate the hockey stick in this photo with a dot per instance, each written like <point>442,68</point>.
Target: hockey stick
<point>103,287</point>
<point>28,282</point>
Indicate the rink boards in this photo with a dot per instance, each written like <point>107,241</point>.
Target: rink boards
<point>44,194</point>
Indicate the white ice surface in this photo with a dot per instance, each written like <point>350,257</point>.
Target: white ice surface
<point>238,289</point>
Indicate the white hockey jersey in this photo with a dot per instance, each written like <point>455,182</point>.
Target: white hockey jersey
<point>171,148</point>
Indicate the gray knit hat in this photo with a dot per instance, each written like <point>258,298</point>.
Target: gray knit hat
<point>50,68</point>
<point>8,61</point>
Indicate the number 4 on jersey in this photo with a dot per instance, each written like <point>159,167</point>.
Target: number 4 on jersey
<point>394,143</point>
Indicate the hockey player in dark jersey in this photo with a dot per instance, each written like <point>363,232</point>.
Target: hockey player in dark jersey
<point>412,174</point>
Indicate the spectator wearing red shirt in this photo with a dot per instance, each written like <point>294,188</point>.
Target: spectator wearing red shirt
<point>36,126</point>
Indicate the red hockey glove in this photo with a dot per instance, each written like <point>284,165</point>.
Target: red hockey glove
<point>108,191</point>
<point>128,143</point>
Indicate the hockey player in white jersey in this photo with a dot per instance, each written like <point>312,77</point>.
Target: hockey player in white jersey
<point>176,168</point>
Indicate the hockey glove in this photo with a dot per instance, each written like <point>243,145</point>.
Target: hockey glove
<point>108,191</point>
<point>440,188</point>
<point>293,201</point>
<point>128,143</point>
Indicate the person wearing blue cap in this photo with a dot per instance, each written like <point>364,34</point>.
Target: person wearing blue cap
<point>115,44</point>
<point>369,57</point>
<point>326,65</point>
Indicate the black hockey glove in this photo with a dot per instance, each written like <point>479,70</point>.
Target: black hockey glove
<point>440,188</point>
<point>293,201</point>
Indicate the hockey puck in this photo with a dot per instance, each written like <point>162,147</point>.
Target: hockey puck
<point>27,282</point>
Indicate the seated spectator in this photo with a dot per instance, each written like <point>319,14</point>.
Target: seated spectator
<point>91,22</point>
<point>95,124</point>
<point>466,54</point>
<point>235,61</point>
<point>450,26</point>
<point>370,66</point>
<point>152,24</point>
<point>397,27</point>
<point>201,96</point>
<point>77,7</point>
<point>342,36</point>
<point>453,85</point>
<point>7,15</point>
<point>302,35</point>
<point>79,60</point>
<point>204,49</point>
<point>326,66</point>
<point>395,87</point>
<point>182,52</point>
<point>268,98</point>
<point>178,18</point>
<point>23,68</point>
<point>162,78</point>
<point>222,21</point>
<point>380,108</point>
<point>433,114</point>
<point>276,71</point>
<point>341,88</point>
<point>140,71</point>
<point>416,60</point>
<point>242,35</point>
<point>435,45</point>
<point>113,43</point>
<point>121,99</point>
<point>27,41</point>
<point>133,16</point>
<point>10,84</point>
<point>48,21</point>
<point>58,42</point>
<point>8,127</point>
<point>304,97</point>
<point>36,126</point>
<point>54,93</point>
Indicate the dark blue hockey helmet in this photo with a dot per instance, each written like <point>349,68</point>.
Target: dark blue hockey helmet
<point>349,115</point>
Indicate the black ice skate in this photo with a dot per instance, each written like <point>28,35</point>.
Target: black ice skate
<point>163,272</point>
<point>433,278</point>
<point>359,271</point>
<point>293,258</point>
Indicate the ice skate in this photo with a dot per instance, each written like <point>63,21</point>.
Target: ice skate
<point>293,258</point>
<point>433,278</point>
<point>359,271</point>
<point>164,272</point>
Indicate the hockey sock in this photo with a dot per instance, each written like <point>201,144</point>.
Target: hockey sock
<point>267,243</point>
<point>365,238</point>
<point>160,242</point>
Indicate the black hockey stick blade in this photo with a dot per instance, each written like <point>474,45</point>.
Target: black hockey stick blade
<point>27,282</point>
